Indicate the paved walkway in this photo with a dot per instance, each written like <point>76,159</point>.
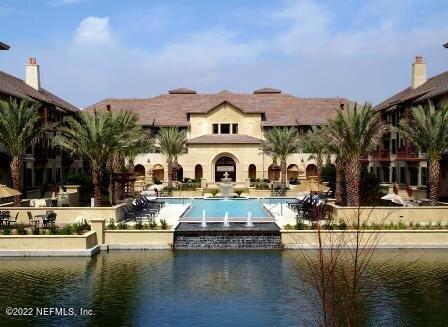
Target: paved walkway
<point>282,214</point>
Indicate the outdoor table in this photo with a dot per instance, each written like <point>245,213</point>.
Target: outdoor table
<point>42,217</point>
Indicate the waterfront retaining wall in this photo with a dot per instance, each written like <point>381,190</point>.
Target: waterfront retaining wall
<point>385,215</point>
<point>396,239</point>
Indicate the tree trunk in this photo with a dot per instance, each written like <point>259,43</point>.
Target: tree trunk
<point>339,187</point>
<point>283,182</point>
<point>131,170</point>
<point>170,174</point>
<point>319,164</point>
<point>434,175</point>
<point>96,178</point>
<point>16,169</point>
<point>118,192</point>
<point>352,182</point>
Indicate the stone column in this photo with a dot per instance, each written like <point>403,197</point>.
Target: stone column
<point>98,226</point>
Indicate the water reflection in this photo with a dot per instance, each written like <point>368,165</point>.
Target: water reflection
<point>218,288</point>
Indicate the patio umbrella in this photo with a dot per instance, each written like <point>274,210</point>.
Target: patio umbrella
<point>6,192</point>
<point>394,198</point>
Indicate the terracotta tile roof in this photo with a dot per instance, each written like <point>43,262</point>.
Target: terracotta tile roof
<point>279,109</point>
<point>16,87</point>
<point>434,86</point>
<point>224,139</point>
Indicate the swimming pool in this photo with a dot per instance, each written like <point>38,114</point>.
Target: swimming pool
<point>215,208</point>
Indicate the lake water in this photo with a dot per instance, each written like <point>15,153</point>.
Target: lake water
<point>214,288</point>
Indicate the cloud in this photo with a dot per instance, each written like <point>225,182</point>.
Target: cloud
<point>206,50</point>
<point>93,31</point>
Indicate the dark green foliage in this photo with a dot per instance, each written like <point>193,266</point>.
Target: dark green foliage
<point>6,231</point>
<point>139,224</point>
<point>35,230</point>
<point>21,229</point>
<point>163,224</point>
<point>370,188</point>
<point>111,224</point>
<point>53,230</point>
<point>122,225</point>
<point>84,179</point>
<point>152,224</point>
<point>66,230</point>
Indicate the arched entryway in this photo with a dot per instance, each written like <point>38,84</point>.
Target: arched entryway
<point>273,175</point>
<point>139,171</point>
<point>292,172</point>
<point>311,171</point>
<point>158,173</point>
<point>252,171</point>
<point>178,175</point>
<point>198,172</point>
<point>225,164</point>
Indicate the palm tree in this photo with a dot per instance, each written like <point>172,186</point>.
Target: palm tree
<point>280,143</point>
<point>316,143</point>
<point>20,127</point>
<point>428,131</point>
<point>355,132</point>
<point>172,143</point>
<point>94,137</point>
<point>136,142</point>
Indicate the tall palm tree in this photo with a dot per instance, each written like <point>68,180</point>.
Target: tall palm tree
<point>281,142</point>
<point>20,127</point>
<point>173,143</point>
<point>355,132</point>
<point>315,142</point>
<point>136,142</point>
<point>428,131</point>
<point>94,137</point>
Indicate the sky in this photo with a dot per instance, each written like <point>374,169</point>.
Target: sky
<point>89,50</point>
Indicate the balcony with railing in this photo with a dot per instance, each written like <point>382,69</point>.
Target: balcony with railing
<point>381,154</point>
<point>407,153</point>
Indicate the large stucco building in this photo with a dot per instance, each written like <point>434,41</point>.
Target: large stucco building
<point>44,164</point>
<point>224,131</point>
<point>396,160</point>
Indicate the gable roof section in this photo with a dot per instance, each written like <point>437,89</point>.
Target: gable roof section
<point>18,88</point>
<point>279,109</point>
<point>434,86</point>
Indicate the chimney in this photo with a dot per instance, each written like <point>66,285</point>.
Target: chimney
<point>418,72</point>
<point>32,74</point>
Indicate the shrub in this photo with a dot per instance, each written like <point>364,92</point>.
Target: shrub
<point>122,225</point>
<point>111,224</point>
<point>145,226</point>
<point>152,224</point>
<point>80,225</point>
<point>7,231</point>
<point>300,225</point>
<point>35,230</point>
<point>401,225</point>
<point>21,230</point>
<point>342,225</point>
<point>139,224</point>
<point>53,230</point>
<point>84,179</point>
<point>163,224</point>
<point>288,226</point>
<point>66,230</point>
